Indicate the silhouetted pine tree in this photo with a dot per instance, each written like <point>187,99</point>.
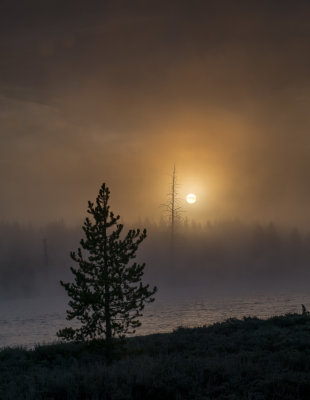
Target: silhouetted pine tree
<point>107,295</point>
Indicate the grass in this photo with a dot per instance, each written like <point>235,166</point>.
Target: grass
<point>249,359</point>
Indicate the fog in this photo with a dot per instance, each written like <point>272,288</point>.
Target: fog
<point>227,257</point>
<point>107,92</point>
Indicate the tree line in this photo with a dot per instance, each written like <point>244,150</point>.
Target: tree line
<point>33,259</point>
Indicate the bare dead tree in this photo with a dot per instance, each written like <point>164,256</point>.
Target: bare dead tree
<point>173,210</point>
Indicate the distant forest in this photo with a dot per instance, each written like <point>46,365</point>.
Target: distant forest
<point>212,256</point>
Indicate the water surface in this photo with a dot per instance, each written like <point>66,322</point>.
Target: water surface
<point>29,322</point>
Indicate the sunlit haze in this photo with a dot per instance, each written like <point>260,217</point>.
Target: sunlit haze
<point>118,94</point>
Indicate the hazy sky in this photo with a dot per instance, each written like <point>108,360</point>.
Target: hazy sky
<point>119,91</point>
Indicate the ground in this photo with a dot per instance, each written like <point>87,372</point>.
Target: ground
<point>249,359</point>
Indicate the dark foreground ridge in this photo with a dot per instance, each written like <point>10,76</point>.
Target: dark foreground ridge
<point>236,359</point>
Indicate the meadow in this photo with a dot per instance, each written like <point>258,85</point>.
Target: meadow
<point>233,360</point>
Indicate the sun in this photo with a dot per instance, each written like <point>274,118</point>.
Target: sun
<point>191,198</point>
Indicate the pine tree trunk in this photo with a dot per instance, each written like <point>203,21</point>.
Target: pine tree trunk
<point>108,329</point>
<point>107,319</point>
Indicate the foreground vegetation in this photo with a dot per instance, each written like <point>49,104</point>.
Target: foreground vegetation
<point>237,359</point>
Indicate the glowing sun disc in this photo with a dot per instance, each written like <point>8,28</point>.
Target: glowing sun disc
<point>191,198</point>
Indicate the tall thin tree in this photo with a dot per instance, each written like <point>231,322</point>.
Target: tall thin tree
<point>173,211</point>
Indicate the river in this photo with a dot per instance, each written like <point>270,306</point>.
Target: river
<point>33,321</point>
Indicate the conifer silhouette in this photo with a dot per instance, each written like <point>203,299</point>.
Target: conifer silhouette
<point>107,295</point>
